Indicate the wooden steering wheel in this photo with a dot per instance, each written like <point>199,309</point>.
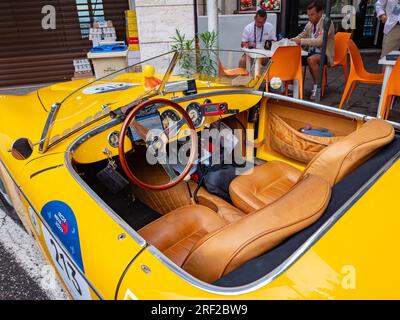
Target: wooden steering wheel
<point>155,142</point>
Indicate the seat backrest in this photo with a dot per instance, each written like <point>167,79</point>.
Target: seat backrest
<point>340,158</point>
<point>357,63</point>
<point>393,87</point>
<point>341,46</point>
<point>222,251</point>
<point>286,63</point>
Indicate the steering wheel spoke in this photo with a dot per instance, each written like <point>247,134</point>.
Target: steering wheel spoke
<point>156,144</point>
<point>170,171</point>
<point>140,129</point>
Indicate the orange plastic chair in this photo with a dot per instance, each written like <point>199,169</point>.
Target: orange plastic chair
<point>340,58</point>
<point>358,73</point>
<point>231,72</point>
<point>392,90</point>
<point>341,50</point>
<point>287,66</point>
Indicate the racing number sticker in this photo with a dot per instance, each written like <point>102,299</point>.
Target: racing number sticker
<point>62,222</point>
<point>76,284</point>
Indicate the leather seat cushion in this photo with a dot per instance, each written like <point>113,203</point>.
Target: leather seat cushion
<point>224,209</point>
<point>178,231</point>
<point>262,185</point>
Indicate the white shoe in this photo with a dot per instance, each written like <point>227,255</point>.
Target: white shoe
<point>312,96</point>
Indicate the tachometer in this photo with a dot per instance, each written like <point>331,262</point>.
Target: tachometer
<point>169,118</point>
<point>195,112</point>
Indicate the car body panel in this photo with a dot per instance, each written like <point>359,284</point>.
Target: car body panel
<point>102,246</point>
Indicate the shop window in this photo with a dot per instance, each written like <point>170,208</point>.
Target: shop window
<point>253,5</point>
<point>89,11</point>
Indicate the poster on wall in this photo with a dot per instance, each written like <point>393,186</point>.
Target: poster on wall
<point>247,6</point>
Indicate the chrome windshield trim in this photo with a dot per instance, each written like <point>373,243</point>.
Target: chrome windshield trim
<point>68,163</point>
<point>51,118</point>
<point>169,71</point>
<point>322,107</point>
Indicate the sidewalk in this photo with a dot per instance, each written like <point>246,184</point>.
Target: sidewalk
<point>365,98</point>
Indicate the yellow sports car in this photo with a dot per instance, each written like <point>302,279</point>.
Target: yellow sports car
<point>178,178</point>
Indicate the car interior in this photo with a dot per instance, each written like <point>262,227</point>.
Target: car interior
<point>229,224</point>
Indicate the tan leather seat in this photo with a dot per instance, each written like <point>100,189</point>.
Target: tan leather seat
<point>224,209</point>
<point>262,185</point>
<point>208,247</point>
<point>268,182</point>
<point>178,231</point>
<point>341,158</point>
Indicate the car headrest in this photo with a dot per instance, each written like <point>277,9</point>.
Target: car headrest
<point>227,248</point>
<point>340,158</point>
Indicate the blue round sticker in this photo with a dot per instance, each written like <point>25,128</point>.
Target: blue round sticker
<point>61,219</point>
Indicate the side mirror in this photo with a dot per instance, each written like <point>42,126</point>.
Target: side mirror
<point>276,83</point>
<point>22,149</point>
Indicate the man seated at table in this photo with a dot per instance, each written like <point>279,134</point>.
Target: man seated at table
<point>256,33</point>
<point>311,39</point>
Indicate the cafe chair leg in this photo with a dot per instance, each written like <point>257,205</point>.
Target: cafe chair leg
<point>349,86</point>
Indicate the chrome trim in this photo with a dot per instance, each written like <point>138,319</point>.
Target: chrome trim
<point>216,93</point>
<point>45,139</point>
<point>263,281</point>
<point>109,138</point>
<point>68,157</point>
<point>322,107</point>
<point>203,117</point>
<point>44,223</point>
<point>169,71</point>
<point>4,195</point>
<point>46,169</point>
<point>261,80</point>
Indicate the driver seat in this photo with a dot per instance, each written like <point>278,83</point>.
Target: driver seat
<point>207,246</point>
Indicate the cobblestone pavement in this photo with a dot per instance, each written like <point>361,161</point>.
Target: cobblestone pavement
<point>365,98</point>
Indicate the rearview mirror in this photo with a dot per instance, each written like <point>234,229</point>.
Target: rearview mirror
<point>22,149</point>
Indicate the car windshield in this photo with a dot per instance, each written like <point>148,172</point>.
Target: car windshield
<point>83,102</point>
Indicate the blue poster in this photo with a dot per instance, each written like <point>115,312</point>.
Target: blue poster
<point>61,219</point>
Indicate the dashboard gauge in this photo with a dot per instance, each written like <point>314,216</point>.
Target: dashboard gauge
<point>169,118</point>
<point>113,139</point>
<point>195,112</point>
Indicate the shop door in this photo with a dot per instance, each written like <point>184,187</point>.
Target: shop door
<point>35,51</point>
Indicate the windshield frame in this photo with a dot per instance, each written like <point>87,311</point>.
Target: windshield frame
<point>45,144</point>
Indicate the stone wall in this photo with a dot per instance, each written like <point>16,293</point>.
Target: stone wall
<point>157,22</point>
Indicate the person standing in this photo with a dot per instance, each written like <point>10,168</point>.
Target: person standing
<point>311,38</point>
<point>388,12</point>
<point>256,33</point>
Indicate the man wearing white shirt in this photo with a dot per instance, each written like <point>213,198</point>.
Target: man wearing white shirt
<point>256,33</point>
<point>388,11</point>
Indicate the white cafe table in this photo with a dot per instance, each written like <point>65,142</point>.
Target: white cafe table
<point>388,66</point>
<point>259,55</point>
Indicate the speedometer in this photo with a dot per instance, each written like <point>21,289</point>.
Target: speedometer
<point>195,112</point>
<point>169,118</point>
